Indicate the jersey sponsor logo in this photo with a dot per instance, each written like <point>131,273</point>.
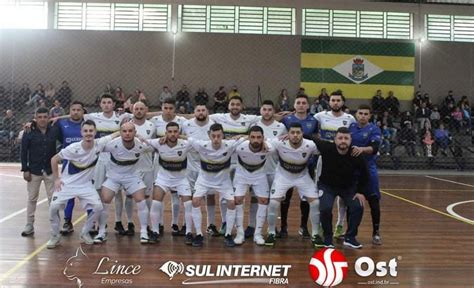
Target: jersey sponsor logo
<point>173,166</point>
<point>214,167</point>
<point>291,167</point>
<point>251,167</point>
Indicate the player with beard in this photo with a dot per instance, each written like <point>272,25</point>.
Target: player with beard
<point>198,128</point>
<point>329,122</point>
<point>340,170</point>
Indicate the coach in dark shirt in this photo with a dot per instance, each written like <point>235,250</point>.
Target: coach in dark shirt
<point>338,178</point>
<point>37,149</point>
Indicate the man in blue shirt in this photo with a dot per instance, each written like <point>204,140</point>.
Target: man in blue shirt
<point>366,139</point>
<point>310,128</point>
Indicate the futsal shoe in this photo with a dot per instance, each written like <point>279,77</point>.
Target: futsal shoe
<point>376,239</point>
<point>352,242</point>
<point>228,241</point>
<point>240,237</point>
<point>86,239</point>
<point>258,239</point>
<point>130,229</point>
<point>223,228</point>
<point>270,241</point>
<point>303,231</point>
<point>144,238</point>
<point>249,231</point>
<point>283,232</point>
<point>68,228</point>
<point>338,233</point>
<point>28,231</point>
<point>161,229</point>
<point>182,232</point>
<point>188,239</point>
<point>53,241</point>
<point>119,228</point>
<point>317,241</point>
<point>99,239</point>
<point>198,241</point>
<point>328,243</point>
<point>174,230</point>
<point>153,238</point>
<point>212,230</point>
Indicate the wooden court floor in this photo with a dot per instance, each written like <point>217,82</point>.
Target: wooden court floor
<point>432,247</point>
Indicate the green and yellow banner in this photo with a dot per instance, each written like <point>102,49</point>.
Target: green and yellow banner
<point>358,68</point>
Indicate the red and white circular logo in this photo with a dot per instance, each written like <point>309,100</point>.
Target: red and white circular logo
<point>328,267</point>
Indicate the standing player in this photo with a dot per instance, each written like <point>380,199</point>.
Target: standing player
<point>329,122</point>
<point>250,173</point>
<point>123,171</point>
<point>169,115</point>
<point>366,140</point>
<point>292,172</point>
<point>172,157</point>
<point>76,180</point>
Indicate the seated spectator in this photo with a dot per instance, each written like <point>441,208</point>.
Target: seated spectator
<point>466,112</point>
<point>127,105</point>
<point>442,139</point>
<point>427,139</point>
<point>316,107</point>
<point>445,112</point>
<point>120,98</point>
<point>9,125</point>
<point>324,99</point>
<point>57,110</point>
<point>457,119</point>
<point>164,95</point>
<point>64,95</point>
<point>378,103</point>
<point>408,139</point>
<point>387,121</point>
<point>284,100</point>
<point>50,94</point>
<point>37,96</point>
<point>201,97</point>
<point>417,100</point>
<point>435,116</point>
<point>183,99</point>
<point>392,105</point>
<point>387,136</point>
<point>422,114</point>
<point>449,99</point>
<point>233,92</point>
<point>141,96</point>
<point>427,100</point>
<point>220,98</point>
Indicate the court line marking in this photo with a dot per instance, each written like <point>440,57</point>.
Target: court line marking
<point>449,181</point>
<point>450,210</point>
<point>33,254</point>
<point>9,175</point>
<point>426,207</point>
<point>20,211</point>
<point>428,189</point>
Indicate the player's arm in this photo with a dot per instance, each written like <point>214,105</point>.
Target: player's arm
<point>373,147</point>
<point>152,114</point>
<point>280,115</point>
<point>55,168</point>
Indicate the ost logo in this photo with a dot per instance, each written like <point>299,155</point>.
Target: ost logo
<point>172,268</point>
<point>328,267</point>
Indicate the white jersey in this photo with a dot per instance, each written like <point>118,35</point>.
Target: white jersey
<point>328,123</point>
<point>160,124</point>
<point>79,167</point>
<point>147,131</point>
<point>172,160</point>
<point>192,130</point>
<point>215,164</point>
<point>251,165</point>
<point>293,162</point>
<point>123,161</point>
<point>272,131</point>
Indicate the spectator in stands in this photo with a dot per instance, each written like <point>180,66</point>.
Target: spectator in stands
<point>324,99</point>
<point>108,89</point>
<point>435,116</point>
<point>9,125</point>
<point>417,100</point>
<point>408,139</point>
<point>387,136</point>
<point>165,94</point>
<point>57,110</point>
<point>445,112</point>
<point>378,103</point>
<point>466,112</point>
<point>427,100</point>
<point>387,121</point>
<point>406,116</point>
<point>427,139</point>
<point>50,94</point>
<point>301,91</point>
<point>392,105</point>
<point>233,92</point>
<point>201,97</point>
<point>449,99</point>
<point>442,138</point>
<point>127,105</point>
<point>183,99</point>
<point>120,97</point>
<point>220,99</point>
<point>23,96</point>
<point>316,107</point>
<point>422,115</point>
<point>141,96</point>
<point>64,95</point>
<point>457,119</point>
<point>284,100</point>
<point>37,96</point>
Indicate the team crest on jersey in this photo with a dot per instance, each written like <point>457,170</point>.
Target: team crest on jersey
<point>344,122</point>
<point>137,155</point>
<point>243,123</point>
<point>262,157</point>
<point>148,132</point>
<point>117,122</point>
<point>180,153</point>
<point>308,125</point>
<point>304,154</point>
<point>365,135</point>
<point>225,154</point>
<point>275,133</point>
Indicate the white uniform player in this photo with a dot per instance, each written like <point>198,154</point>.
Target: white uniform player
<point>147,131</point>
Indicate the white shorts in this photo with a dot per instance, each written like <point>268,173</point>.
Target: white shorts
<point>99,174</point>
<point>259,186</point>
<point>87,195</point>
<point>225,190</point>
<point>130,184</point>
<point>270,179</point>
<point>148,179</point>
<point>304,184</point>
<point>181,186</point>
<point>192,177</point>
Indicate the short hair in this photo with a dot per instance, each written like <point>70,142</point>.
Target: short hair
<point>216,127</point>
<point>295,125</point>
<point>256,129</point>
<point>88,122</point>
<point>107,96</point>
<point>236,97</point>
<point>302,96</point>
<point>172,124</point>
<point>268,102</point>
<point>343,130</point>
<point>42,110</point>
<point>338,93</point>
<point>76,102</point>
<point>170,101</point>
<point>365,107</point>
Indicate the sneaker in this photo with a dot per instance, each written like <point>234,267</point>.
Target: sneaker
<point>144,238</point>
<point>99,239</point>
<point>376,239</point>
<point>182,232</point>
<point>153,237</point>
<point>283,232</point>
<point>249,231</point>
<point>338,233</point>
<point>223,228</point>
<point>174,230</point>
<point>130,229</point>
<point>228,241</point>
<point>317,241</point>
<point>94,231</point>
<point>303,231</point>
<point>148,230</point>
<point>212,230</point>
<point>86,238</point>
<point>258,239</point>
<point>53,241</point>
<point>198,241</point>
<point>352,242</point>
<point>188,239</point>
<point>328,243</point>
<point>161,229</point>
<point>68,228</point>
<point>28,231</point>
<point>240,237</point>
<point>270,241</point>
<point>119,228</point>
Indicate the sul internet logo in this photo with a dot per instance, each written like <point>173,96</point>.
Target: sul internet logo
<point>328,267</point>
